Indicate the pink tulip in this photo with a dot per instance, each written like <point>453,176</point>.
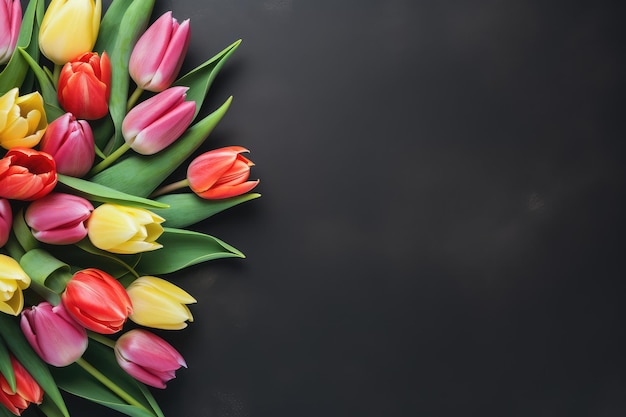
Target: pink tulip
<point>159,53</point>
<point>59,218</point>
<point>57,338</point>
<point>26,174</point>
<point>220,173</point>
<point>157,122</point>
<point>147,357</point>
<point>97,301</point>
<point>6,220</point>
<point>10,23</point>
<point>70,142</point>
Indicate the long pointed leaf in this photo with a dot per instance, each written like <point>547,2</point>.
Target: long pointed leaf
<point>12,335</point>
<point>186,209</point>
<point>5,365</point>
<point>48,91</point>
<point>181,249</point>
<point>140,175</point>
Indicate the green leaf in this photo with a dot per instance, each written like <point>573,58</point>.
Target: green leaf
<point>186,209</point>
<point>200,79</point>
<point>49,408</point>
<point>48,91</point>
<point>121,27</point>
<point>183,248</point>
<point>46,270</point>
<point>5,365</point>
<point>15,72</point>
<point>12,335</point>
<point>75,380</point>
<point>140,174</point>
<point>4,412</point>
<point>22,232</point>
<point>97,192</point>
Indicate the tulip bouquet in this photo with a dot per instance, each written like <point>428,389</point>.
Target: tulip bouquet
<point>96,123</point>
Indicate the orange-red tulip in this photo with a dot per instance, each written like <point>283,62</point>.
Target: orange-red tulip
<point>26,174</point>
<point>221,173</point>
<point>97,301</point>
<point>26,390</point>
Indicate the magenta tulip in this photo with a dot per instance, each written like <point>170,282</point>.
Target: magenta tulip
<point>159,53</point>
<point>221,173</point>
<point>147,357</point>
<point>70,142</point>
<point>157,122</point>
<point>10,24</point>
<point>57,338</point>
<point>59,218</point>
<point>97,301</point>
<point>6,220</point>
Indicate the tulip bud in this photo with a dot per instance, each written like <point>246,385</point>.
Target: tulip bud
<point>10,24</point>
<point>13,280</point>
<point>85,85</point>
<point>6,221</point>
<point>57,338</point>
<point>58,218</point>
<point>220,173</point>
<point>71,144</point>
<point>158,55</point>
<point>69,28</point>
<point>26,174</point>
<point>155,123</point>
<point>147,357</point>
<point>160,304</point>
<point>125,230</point>
<point>24,120</point>
<point>97,301</point>
<point>27,390</point>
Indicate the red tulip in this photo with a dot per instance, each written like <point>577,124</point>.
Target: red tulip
<point>6,221</point>
<point>147,357</point>
<point>97,301</point>
<point>85,85</point>
<point>220,173</point>
<point>26,390</point>
<point>70,142</point>
<point>26,174</point>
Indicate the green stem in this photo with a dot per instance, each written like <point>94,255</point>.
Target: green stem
<point>170,187</point>
<point>101,339</point>
<point>133,98</point>
<point>56,73</point>
<point>109,384</point>
<point>109,159</point>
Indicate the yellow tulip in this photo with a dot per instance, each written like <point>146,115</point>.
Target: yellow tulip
<point>126,230</point>
<point>159,304</point>
<point>13,280</point>
<point>22,119</point>
<point>69,29</point>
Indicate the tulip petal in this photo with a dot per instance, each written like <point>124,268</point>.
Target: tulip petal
<point>228,190</point>
<point>164,131</point>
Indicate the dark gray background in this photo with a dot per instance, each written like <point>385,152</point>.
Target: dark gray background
<point>441,227</point>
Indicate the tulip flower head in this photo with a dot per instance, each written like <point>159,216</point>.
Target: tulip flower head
<point>10,24</point>
<point>158,55</point>
<point>220,173</point>
<point>97,301</point>
<point>124,230</point>
<point>85,86</point>
<point>69,28</point>
<point>58,218</point>
<point>26,174</point>
<point>57,338</point>
<point>22,119</point>
<point>155,123</point>
<point>6,221</point>
<point>147,357</point>
<point>27,390</point>
<point>13,280</point>
<point>71,144</point>
<point>159,304</point>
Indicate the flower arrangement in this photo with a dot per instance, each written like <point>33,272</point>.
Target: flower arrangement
<point>91,229</point>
